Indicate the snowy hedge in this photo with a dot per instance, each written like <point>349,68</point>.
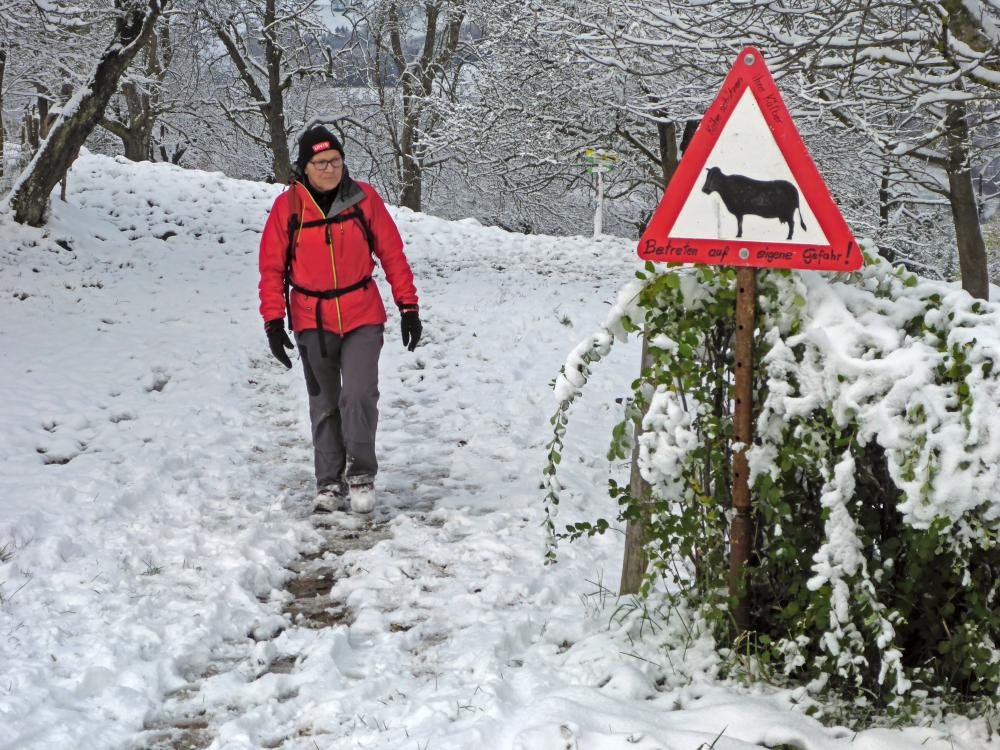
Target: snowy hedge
<point>875,471</point>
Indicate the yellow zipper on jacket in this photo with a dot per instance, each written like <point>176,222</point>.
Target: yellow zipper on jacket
<point>333,264</point>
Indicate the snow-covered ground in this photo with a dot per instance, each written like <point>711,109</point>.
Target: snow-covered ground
<point>155,503</point>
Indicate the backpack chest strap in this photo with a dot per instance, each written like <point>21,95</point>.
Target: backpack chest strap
<point>357,214</point>
<point>338,219</point>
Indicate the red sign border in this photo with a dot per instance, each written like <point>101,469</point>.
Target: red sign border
<point>842,252</point>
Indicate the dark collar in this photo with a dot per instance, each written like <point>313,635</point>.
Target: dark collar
<point>348,193</point>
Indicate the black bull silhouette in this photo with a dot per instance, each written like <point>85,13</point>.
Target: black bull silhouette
<point>769,199</point>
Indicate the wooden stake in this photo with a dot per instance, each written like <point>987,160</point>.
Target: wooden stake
<point>635,561</point>
<point>741,529</point>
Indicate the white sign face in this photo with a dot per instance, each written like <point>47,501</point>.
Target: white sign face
<point>745,156</point>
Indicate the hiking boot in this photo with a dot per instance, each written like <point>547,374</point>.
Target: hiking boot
<point>331,497</point>
<point>363,497</point>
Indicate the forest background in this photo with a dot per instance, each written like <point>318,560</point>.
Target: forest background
<point>483,108</point>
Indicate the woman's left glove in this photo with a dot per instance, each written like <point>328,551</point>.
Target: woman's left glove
<point>410,326</point>
<point>278,340</point>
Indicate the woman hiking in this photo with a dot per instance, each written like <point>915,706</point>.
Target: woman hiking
<point>317,254</point>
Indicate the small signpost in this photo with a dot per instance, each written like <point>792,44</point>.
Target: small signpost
<point>599,161</point>
<point>747,194</point>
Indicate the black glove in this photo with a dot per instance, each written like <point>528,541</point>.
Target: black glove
<point>278,340</point>
<point>409,324</point>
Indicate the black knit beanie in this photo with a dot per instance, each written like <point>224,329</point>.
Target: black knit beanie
<point>314,141</point>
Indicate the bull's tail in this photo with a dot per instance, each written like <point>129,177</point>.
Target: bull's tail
<point>801,222</point>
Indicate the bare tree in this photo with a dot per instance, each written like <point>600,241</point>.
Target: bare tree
<point>135,114</point>
<point>549,80</point>
<point>3,132</point>
<point>411,56</point>
<point>36,83</point>
<point>269,44</point>
<point>15,18</point>
<point>177,85</point>
<point>134,23</point>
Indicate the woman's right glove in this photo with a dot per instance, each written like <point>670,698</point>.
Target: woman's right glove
<point>409,324</point>
<point>278,340</point>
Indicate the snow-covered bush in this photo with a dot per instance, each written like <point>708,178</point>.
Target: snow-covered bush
<point>875,472</point>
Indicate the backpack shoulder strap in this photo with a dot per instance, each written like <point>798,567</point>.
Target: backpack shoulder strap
<point>366,228</point>
<point>294,220</point>
<point>294,225</point>
<point>354,213</point>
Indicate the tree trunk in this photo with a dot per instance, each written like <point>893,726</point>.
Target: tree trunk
<point>136,137</point>
<point>884,208</point>
<point>137,147</point>
<point>667,132</point>
<point>3,133</point>
<point>883,199</point>
<point>44,121</point>
<point>136,133</point>
<point>178,152</point>
<point>281,162</point>
<point>417,85</point>
<point>138,141</point>
<point>143,107</point>
<point>31,194</point>
<point>272,105</point>
<point>964,211</point>
<point>690,128</point>
<point>410,167</point>
<point>412,195</point>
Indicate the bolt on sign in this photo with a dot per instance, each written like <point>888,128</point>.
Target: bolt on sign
<point>746,192</point>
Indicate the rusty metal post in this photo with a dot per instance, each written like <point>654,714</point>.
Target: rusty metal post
<point>741,530</point>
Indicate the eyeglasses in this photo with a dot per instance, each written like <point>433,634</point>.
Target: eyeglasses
<point>321,165</point>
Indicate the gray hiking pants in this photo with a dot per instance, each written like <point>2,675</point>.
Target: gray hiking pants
<point>343,402</point>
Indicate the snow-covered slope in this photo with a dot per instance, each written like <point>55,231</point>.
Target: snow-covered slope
<point>156,487</point>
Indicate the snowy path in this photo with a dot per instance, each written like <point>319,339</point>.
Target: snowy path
<point>428,596</point>
<point>163,583</point>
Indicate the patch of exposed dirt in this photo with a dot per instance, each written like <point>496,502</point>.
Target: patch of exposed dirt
<point>178,733</point>
<point>311,605</point>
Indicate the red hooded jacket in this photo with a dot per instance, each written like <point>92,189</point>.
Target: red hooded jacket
<point>332,256</point>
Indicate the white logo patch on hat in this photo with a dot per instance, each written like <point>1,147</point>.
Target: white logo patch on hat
<point>321,146</point>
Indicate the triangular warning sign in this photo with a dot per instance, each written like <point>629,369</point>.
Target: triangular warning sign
<point>746,192</point>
